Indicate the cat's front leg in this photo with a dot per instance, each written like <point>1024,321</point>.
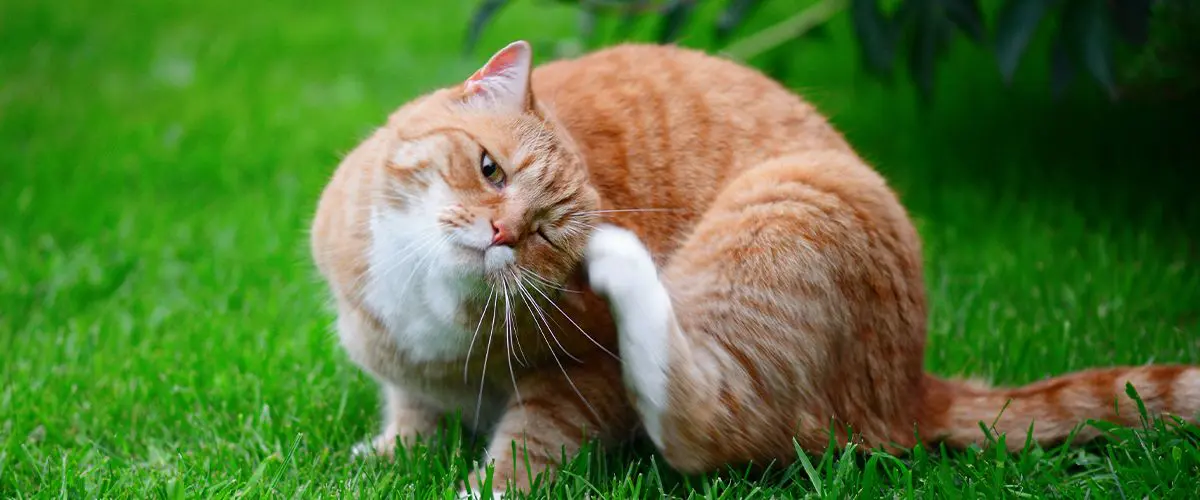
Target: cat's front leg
<point>404,421</point>
<point>621,270</point>
<point>554,414</point>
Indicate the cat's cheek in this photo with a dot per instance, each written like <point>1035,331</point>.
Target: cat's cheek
<point>546,262</point>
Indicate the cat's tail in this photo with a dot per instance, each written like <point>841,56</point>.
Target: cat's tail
<point>955,412</point>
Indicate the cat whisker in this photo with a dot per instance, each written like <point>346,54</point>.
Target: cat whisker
<point>483,371</point>
<point>564,370</point>
<point>531,303</point>
<point>575,225</point>
<point>467,361</point>
<point>508,334</point>
<point>577,327</point>
<point>414,250</point>
<point>410,250</point>
<point>538,279</point>
<point>627,210</point>
<point>430,254</point>
<point>510,324</point>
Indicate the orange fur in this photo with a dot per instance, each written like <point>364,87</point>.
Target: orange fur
<point>791,276</point>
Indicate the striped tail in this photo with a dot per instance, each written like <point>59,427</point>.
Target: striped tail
<point>955,409</point>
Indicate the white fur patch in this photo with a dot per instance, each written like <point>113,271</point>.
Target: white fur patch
<point>620,268</point>
<point>408,263</point>
<point>408,153</point>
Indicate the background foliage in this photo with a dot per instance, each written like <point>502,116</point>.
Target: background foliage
<point>1086,35</point>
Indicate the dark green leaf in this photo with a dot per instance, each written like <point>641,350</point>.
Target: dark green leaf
<point>1062,71</point>
<point>732,16</point>
<point>484,12</point>
<point>875,35</point>
<point>967,16</point>
<point>1133,19</point>
<point>818,32</point>
<point>1086,26</point>
<point>675,17</point>
<point>1018,21</point>
<point>928,38</point>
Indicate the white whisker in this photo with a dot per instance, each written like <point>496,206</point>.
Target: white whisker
<point>467,362</point>
<point>508,334</point>
<point>628,210</point>
<point>531,303</point>
<point>510,326</point>
<point>574,225</point>
<point>483,372</point>
<point>430,254</point>
<point>537,279</point>
<point>577,327</point>
<point>411,250</point>
<point>564,371</point>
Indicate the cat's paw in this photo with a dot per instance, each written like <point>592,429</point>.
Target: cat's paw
<point>617,261</point>
<point>474,490</point>
<point>384,444</point>
<point>379,446</point>
<point>478,495</point>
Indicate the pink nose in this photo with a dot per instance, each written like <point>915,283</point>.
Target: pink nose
<point>500,235</point>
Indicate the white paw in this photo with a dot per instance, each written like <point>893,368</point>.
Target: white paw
<point>380,446</point>
<point>362,450</point>
<point>477,495</point>
<point>617,261</point>
<point>620,268</point>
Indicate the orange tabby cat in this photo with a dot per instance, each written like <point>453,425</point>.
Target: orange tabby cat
<point>492,246</point>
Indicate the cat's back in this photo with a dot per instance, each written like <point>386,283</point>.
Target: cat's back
<point>665,126</point>
<point>673,99</point>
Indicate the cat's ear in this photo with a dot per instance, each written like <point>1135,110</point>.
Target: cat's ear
<point>504,80</point>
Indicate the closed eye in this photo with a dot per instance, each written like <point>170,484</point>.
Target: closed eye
<point>541,232</point>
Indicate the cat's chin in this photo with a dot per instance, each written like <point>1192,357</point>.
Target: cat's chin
<point>491,262</point>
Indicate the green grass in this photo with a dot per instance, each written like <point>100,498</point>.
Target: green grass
<point>163,333</point>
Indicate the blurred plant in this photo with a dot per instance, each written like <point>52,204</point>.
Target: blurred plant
<point>1169,65</point>
<point>1085,32</point>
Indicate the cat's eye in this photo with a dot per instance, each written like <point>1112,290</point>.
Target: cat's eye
<point>491,171</point>
<point>541,232</point>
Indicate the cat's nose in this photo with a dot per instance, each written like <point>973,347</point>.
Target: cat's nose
<point>500,235</point>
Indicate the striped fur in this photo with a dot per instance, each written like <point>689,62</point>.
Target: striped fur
<point>759,280</point>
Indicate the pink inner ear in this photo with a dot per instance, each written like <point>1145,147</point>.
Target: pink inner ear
<point>500,63</point>
<point>497,64</point>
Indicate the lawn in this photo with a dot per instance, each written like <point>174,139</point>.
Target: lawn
<point>164,334</point>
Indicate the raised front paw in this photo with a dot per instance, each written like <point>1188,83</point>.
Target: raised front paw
<point>617,261</point>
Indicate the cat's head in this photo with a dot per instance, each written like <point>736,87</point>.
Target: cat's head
<point>481,168</point>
